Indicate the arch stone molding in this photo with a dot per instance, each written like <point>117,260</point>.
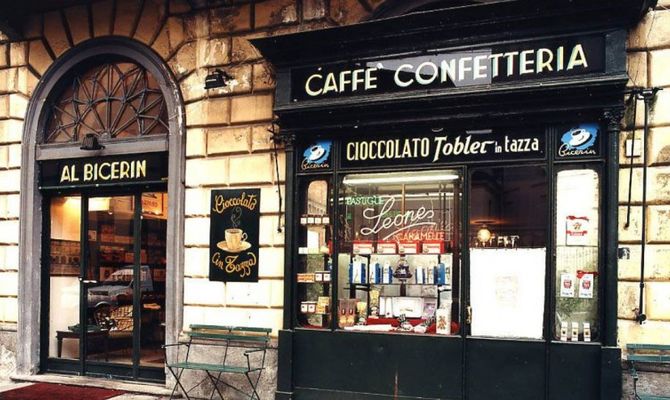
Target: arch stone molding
<point>31,220</point>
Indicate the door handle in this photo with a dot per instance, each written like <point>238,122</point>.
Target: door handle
<point>468,315</point>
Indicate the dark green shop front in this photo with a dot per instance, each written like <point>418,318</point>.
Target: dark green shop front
<point>451,202</point>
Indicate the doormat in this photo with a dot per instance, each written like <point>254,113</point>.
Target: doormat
<point>52,391</point>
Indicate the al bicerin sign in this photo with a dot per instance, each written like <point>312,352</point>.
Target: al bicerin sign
<point>440,70</point>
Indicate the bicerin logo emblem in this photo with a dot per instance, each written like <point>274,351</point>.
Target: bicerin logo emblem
<point>579,141</point>
<point>317,156</point>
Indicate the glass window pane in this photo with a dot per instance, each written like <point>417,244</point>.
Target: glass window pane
<point>314,259</point>
<point>153,236</point>
<point>110,276</point>
<point>508,230</point>
<point>64,267</point>
<point>399,258</point>
<point>112,100</point>
<point>577,255</point>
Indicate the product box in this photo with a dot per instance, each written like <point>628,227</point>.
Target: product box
<point>412,307</point>
<point>564,331</point>
<point>408,247</point>
<point>431,275</point>
<point>318,276</point>
<point>441,274</point>
<point>433,247</point>
<point>387,273</point>
<point>322,304</point>
<point>307,277</point>
<point>363,247</point>
<point>358,272</point>
<point>387,248</point>
<point>420,275</point>
<point>575,332</point>
<point>375,273</point>
<point>443,319</point>
<point>587,332</point>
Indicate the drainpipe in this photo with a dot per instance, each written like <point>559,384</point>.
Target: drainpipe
<point>647,95</point>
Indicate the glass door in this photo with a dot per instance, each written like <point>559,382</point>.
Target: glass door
<point>107,285</point>
<point>109,279</point>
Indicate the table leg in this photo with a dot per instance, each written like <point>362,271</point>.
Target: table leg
<point>60,344</point>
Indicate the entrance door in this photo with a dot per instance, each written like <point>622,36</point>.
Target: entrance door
<point>507,282</point>
<point>117,279</point>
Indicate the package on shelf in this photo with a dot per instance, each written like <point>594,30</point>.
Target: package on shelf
<point>387,273</point>
<point>387,248</point>
<point>363,247</point>
<point>408,247</point>
<point>307,277</point>
<point>419,275</point>
<point>357,271</point>
<point>375,275</point>
<point>433,246</point>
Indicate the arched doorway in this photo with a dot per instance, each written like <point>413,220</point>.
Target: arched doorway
<point>102,214</point>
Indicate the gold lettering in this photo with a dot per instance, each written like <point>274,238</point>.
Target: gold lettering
<point>248,201</point>
<point>88,172</point>
<point>141,169</point>
<point>65,174</point>
<point>125,167</point>
<point>104,177</point>
<point>230,265</point>
<point>115,170</point>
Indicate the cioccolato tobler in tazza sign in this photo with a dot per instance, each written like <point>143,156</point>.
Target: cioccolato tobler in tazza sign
<point>472,67</point>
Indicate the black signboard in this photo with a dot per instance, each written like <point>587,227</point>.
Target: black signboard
<point>482,66</point>
<point>579,141</point>
<point>438,148</point>
<point>104,171</point>
<point>233,245</point>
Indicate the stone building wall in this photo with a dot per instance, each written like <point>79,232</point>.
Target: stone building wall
<point>649,65</point>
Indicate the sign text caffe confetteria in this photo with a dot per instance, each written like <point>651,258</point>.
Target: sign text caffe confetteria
<point>481,66</point>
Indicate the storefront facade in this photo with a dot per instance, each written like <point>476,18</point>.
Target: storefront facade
<point>454,206</point>
<point>418,145</point>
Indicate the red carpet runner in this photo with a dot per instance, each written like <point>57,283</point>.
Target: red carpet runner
<point>51,391</point>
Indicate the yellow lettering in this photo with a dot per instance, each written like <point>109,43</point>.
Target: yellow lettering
<point>125,167</point>
<point>88,172</point>
<point>115,170</point>
<point>104,177</point>
<point>141,169</point>
<point>65,174</point>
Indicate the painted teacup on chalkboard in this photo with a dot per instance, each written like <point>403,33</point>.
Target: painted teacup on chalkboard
<point>235,241</point>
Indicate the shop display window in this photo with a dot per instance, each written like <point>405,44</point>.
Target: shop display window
<point>315,264</point>
<point>577,255</point>
<point>398,252</point>
<point>507,236</point>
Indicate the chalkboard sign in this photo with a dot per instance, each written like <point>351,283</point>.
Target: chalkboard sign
<point>233,243</point>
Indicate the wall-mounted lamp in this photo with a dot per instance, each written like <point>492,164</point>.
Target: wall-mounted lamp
<point>217,79</point>
<point>90,142</point>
